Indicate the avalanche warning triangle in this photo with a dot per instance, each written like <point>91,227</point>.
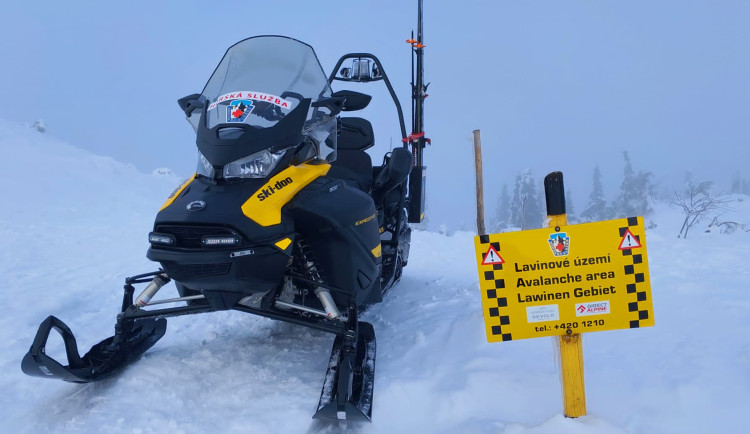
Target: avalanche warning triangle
<point>629,241</point>
<point>492,257</point>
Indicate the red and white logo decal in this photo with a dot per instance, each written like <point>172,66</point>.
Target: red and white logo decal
<point>255,96</point>
<point>592,308</point>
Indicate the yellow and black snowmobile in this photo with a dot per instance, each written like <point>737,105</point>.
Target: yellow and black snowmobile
<point>286,217</point>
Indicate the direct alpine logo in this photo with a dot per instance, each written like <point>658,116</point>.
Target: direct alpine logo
<point>238,110</point>
<point>559,242</point>
<point>593,308</point>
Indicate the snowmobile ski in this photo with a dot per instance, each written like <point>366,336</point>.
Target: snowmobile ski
<point>350,379</point>
<point>131,340</point>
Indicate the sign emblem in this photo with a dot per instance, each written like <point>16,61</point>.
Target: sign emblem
<point>559,242</point>
<point>238,110</point>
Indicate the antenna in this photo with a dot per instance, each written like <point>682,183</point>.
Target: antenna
<point>416,138</point>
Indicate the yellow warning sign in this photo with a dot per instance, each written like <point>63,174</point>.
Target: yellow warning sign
<point>572,279</point>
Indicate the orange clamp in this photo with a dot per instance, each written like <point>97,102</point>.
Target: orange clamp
<point>414,43</point>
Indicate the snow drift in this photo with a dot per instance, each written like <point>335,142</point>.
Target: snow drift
<point>73,225</point>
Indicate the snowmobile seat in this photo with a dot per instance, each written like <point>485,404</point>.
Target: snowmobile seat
<point>353,164</point>
<point>393,172</point>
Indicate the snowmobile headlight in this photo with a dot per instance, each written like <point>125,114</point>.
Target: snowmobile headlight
<point>257,165</point>
<point>157,238</point>
<point>219,241</point>
<point>204,167</point>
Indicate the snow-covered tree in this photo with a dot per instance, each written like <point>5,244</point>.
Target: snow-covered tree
<point>526,211</point>
<point>596,210</point>
<point>424,225</point>
<point>502,214</point>
<point>697,202</point>
<point>635,191</point>
<point>516,216</point>
<point>541,204</point>
<point>570,209</point>
<point>740,185</point>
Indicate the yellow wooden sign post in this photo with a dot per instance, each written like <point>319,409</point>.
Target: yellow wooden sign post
<point>563,281</point>
<point>570,344</point>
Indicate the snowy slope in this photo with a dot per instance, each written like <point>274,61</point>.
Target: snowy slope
<point>73,226</point>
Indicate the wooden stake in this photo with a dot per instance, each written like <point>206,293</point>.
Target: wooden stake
<point>480,188</point>
<point>571,345</point>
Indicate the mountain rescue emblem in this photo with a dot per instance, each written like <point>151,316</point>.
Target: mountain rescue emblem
<point>559,242</point>
<point>238,110</point>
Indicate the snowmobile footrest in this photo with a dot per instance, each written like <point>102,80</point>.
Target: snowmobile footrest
<point>132,338</point>
<point>350,378</point>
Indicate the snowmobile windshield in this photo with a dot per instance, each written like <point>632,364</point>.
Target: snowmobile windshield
<point>259,81</point>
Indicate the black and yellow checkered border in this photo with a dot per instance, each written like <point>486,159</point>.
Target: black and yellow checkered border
<point>636,294</point>
<point>497,313</point>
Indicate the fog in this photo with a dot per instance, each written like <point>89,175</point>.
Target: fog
<point>551,85</point>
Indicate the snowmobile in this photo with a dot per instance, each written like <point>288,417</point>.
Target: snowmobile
<point>286,217</point>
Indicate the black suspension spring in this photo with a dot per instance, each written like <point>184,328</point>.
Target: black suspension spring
<point>306,260</point>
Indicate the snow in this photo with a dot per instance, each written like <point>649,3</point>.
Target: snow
<point>73,225</point>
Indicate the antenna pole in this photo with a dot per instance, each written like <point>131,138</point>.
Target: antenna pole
<point>419,90</point>
<point>417,138</point>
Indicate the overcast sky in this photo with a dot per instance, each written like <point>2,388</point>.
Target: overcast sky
<point>552,85</point>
